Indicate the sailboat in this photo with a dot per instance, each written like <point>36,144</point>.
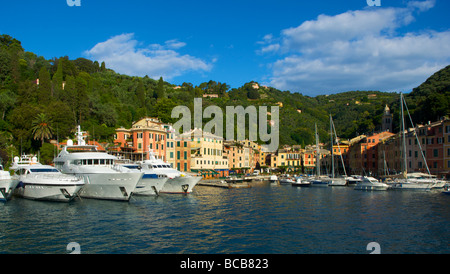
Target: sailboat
<point>319,180</point>
<point>406,182</point>
<point>340,181</point>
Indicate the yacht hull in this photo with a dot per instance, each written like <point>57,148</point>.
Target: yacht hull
<point>109,186</point>
<point>51,191</point>
<point>317,183</point>
<point>410,186</point>
<point>7,189</point>
<point>148,185</point>
<point>337,182</point>
<point>368,187</point>
<point>180,185</point>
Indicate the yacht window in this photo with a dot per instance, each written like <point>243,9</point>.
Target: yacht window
<point>84,162</point>
<point>102,161</point>
<point>95,161</point>
<point>35,170</point>
<point>89,162</point>
<point>1,168</point>
<point>159,166</point>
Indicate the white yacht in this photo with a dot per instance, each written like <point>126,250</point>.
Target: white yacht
<point>370,183</point>
<point>177,181</point>
<point>7,184</point>
<point>407,184</point>
<point>301,182</point>
<point>337,182</point>
<point>43,182</point>
<point>273,179</point>
<point>150,183</point>
<point>353,180</point>
<point>103,179</point>
<point>285,180</point>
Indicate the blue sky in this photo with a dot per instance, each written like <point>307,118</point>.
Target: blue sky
<point>312,47</point>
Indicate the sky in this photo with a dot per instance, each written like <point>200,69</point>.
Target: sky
<point>312,47</point>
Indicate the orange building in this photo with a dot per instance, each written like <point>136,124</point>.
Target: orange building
<point>148,134</point>
<point>363,154</point>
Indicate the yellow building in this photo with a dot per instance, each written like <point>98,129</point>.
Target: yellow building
<point>207,156</point>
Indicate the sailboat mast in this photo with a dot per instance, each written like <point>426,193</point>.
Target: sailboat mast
<point>405,167</point>
<point>317,153</point>
<point>331,144</point>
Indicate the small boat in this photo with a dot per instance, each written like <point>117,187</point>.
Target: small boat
<point>446,189</point>
<point>370,183</point>
<point>337,182</point>
<point>299,182</point>
<point>286,180</point>
<point>353,180</point>
<point>44,182</point>
<point>405,184</point>
<point>7,185</point>
<point>273,179</point>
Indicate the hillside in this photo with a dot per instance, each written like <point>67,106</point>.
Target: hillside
<point>82,91</point>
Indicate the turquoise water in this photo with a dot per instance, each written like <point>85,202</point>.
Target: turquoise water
<point>264,219</point>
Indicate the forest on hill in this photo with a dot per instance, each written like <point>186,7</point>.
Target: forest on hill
<point>46,99</point>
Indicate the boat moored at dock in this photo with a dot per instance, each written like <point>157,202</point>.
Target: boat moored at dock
<point>177,182</point>
<point>150,183</point>
<point>102,179</point>
<point>43,182</point>
<point>370,184</point>
<point>7,184</point>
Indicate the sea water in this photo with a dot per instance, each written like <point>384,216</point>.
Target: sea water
<point>264,219</point>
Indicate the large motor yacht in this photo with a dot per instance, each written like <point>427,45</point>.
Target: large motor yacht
<point>103,179</point>
<point>43,182</point>
<point>177,181</point>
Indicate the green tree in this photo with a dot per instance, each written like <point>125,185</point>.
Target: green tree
<point>45,87</point>
<point>140,93</point>
<point>160,92</point>
<point>41,129</point>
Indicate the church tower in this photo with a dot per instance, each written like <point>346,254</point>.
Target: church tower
<point>386,124</point>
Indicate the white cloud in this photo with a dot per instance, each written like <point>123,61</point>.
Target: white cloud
<point>357,50</point>
<point>123,54</point>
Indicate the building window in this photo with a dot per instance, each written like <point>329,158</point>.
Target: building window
<point>178,155</point>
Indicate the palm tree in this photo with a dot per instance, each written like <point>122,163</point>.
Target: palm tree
<point>41,128</point>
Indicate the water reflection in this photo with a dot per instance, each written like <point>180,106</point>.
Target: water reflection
<point>263,219</point>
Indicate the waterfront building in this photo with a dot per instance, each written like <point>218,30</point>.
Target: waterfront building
<point>363,154</point>
<point>446,147</point>
<point>182,154</point>
<point>207,157</point>
<point>144,135</point>
<point>435,143</point>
